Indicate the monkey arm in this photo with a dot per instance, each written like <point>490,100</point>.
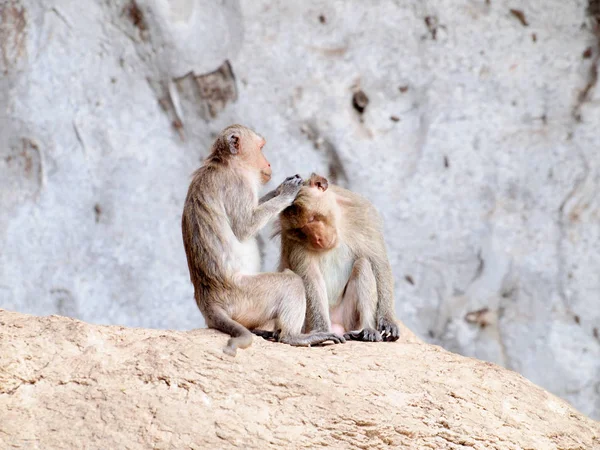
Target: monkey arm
<point>386,322</point>
<point>268,196</point>
<point>317,304</point>
<point>260,216</point>
<point>385,287</point>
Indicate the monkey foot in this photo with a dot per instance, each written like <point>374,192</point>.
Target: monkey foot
<point>306,340</point>
<point>268,335</point>
<point>389,330</point>
<point>366,335</point>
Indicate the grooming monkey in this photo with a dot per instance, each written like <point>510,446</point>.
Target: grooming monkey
<point>221,218</point>
<point>333,239</point>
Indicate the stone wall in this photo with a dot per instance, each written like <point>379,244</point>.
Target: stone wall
<point>478,144</point>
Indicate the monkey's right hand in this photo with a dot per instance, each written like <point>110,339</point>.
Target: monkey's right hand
<point>290,187</point>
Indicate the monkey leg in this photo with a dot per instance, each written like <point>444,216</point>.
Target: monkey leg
<point>279,296</point>
<point>292,315</point>
<point>356,311</point>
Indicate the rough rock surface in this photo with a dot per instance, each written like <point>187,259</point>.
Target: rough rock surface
<point>477,140</point>
<point>70,385</point>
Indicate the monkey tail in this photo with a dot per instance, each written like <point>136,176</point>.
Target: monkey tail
<point>241,337</point>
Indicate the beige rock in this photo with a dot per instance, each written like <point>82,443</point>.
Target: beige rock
<point>70,385</point>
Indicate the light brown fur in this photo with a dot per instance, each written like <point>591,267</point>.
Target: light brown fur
<point>221,217</point>
<point>333,239</point>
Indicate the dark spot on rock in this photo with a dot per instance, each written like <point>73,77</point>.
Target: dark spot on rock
<point>97,212</point>
<point>587,54</point>
<point>409,279</point>
<point>218,88</point>
<point>574,216</point>
<point>395,118</point>
<point>432,26</point>
<point>28,161</point>
<point>446,162</point>
<point>336,171</point>
<point>165,103</point>
<point>177,124</point>
<point>534,37</point>
<point>403,89</point>
<point>593,9</point>
<point>479,317</point>
<point>360,101</point>
<point>431,334</point>
<point>136,15</point>
<point>596,333</point>
<point>113,80</point>
<point>322,19</point>
<point>66,304</point>
<point>577,319</point>
<point>520,16</point>
<point>13,34</point>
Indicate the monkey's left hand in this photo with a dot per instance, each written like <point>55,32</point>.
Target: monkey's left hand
<point>290,186</point>
<point>389,329</point>
<point>366,335</point>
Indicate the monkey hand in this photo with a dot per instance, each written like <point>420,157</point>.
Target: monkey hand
<point>366,335</point>
<point>389,329</point>
<point>290,187</point>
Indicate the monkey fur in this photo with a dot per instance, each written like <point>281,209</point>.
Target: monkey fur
<point>333,239</point>
<point>221,218</point>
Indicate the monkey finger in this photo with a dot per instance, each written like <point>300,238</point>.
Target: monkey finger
<point>394,333</point>
<point>335,338</point>
<point>353,335</point>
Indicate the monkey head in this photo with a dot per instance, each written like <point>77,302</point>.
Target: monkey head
<point>312,219</point>
<point>245,145</point>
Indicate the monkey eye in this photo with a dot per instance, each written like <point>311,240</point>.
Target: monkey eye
<point>311,219</point>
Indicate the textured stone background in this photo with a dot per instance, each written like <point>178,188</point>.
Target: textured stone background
<point>478,144</point>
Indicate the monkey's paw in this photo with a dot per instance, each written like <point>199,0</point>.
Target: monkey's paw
<point>366,335</point>
<point>268,335</point>
<point>323,336</point>
<point>389,329</point>
<point>290,186</point>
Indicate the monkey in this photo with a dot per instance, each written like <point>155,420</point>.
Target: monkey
<point>333,239</point>
<point>221,218</point>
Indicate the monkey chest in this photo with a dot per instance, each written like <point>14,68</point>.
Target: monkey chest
<point>336,268</point>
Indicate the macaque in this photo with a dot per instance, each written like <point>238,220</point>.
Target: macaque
<point>333,239</point>
<point>220,221</point>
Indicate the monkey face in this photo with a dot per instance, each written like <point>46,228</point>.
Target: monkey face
<point>245,145</point>
<point>312,218</point>
<point>320,235</point>
<point>258,159</point>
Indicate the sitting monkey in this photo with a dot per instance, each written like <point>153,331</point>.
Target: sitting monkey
<point>221,218</point>
<point>333,239</point>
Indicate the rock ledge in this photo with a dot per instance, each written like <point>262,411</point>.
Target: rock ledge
<point>67,384</point>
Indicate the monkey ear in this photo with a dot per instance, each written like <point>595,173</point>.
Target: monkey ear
<point>234,143</point>
<point>319,182</point>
